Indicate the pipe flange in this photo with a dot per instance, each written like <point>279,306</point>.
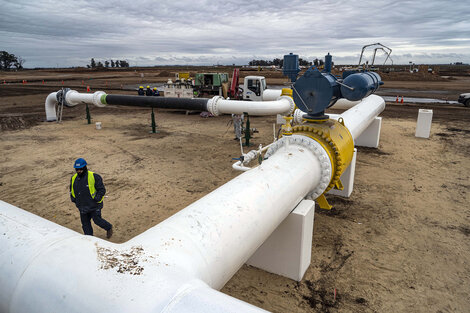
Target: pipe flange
<point>212,105</point>
<point>317,150</point>
<point>97,96</point>
<point>328,143</point>
<point>298,116</point>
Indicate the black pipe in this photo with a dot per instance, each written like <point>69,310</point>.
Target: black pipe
<point>196,104</point>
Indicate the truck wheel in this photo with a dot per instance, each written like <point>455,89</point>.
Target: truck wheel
<point>467,103</point>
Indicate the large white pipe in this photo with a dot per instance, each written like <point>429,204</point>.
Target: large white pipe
<point>344,104</point>
<point>271,94</point>
<point>169,268</point>
<point>360,116</point>
<point>218,105</point>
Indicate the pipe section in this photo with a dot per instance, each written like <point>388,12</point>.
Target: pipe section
<point>51,102</point>
<point>343,104</point>
<point>360,116</point>
<point>196,104</point>
<point>73,98</point>
<point>218,105</point>
<point>271,94</point>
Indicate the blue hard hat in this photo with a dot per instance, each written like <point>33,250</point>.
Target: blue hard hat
<point>79,163</point>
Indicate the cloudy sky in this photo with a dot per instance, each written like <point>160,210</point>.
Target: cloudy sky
<point>64,33</point>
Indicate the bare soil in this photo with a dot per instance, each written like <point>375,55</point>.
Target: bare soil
<point>398,244</point>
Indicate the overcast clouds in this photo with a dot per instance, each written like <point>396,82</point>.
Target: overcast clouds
<point>68,33</point>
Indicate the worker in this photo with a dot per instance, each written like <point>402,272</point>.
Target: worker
<point>155,92</point>
<point>237,125</point>
<point>141,92</point>
<point>148,91</point>
<point>87,192</point>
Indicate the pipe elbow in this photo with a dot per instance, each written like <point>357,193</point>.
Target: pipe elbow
<point>240,167</point>
<point>51,102</point>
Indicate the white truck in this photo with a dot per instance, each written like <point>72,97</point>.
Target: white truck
<point>464,98</point>
<point>254,89</point>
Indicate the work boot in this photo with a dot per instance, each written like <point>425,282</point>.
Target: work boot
<point>109,233</point>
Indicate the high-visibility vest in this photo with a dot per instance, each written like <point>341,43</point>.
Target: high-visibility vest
<point>91,185</point>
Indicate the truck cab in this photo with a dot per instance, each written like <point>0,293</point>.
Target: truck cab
<point>253,88</point>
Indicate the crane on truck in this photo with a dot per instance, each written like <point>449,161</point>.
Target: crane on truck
<point>378,46</point>
<point>235,92</point>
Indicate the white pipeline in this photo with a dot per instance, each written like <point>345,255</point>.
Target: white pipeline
<point>218,105</point>
<point>170,267</point>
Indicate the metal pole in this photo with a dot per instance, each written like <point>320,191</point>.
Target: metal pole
<point>88,117</point>
<point>247,130</point>
<point>154,125</point>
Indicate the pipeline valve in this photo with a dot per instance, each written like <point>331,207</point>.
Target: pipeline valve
<point>316,91</point>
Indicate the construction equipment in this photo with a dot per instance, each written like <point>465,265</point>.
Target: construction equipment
<point>211,84</point>
<point>235,92</point>
<point>378,46</point>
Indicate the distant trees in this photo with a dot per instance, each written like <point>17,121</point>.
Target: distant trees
<point>276,62</point>
<point>113,63</point>
<point>8,61</point>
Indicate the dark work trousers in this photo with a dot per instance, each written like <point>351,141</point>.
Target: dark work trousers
<point>96,216</point>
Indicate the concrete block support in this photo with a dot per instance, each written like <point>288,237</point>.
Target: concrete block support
<point>371,136</point>
<point>423,127</point>
<point>347,179</point>
<point>288,250</point>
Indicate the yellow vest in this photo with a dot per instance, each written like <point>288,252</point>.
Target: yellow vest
<point>91,185</point>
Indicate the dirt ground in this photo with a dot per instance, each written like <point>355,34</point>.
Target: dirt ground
<point>398,244</point>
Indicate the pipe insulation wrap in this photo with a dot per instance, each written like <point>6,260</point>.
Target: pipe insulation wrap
<point>218,105</point>
<point>196,104</point>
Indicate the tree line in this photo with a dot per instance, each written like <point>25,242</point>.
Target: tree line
<point>8,61</point>
<point>110,63</point>
<point>279,62</point>
<point>276,62</point>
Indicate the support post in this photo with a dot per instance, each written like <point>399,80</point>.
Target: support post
<point>88,116</point>
<point>423,126</point>
<point>288,250</point>
<point>247,131</point>
<point>154,125</point>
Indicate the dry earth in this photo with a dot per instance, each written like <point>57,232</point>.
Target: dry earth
<point>398,244</point>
